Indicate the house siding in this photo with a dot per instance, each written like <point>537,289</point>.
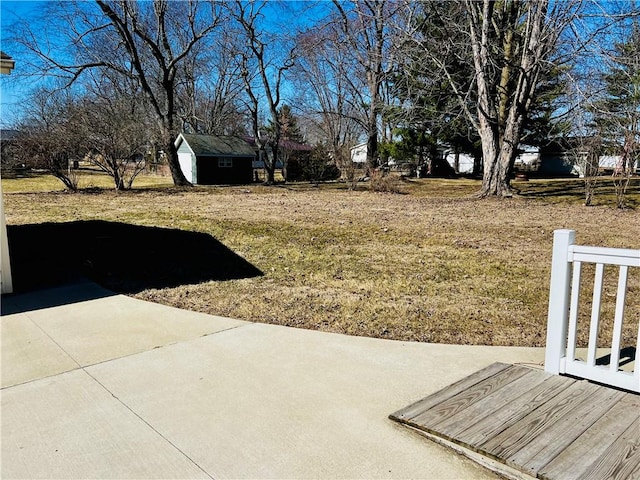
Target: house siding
<point>465,162</point>
<point>554,164</point>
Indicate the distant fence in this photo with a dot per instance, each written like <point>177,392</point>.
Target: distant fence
<point>564,303</point>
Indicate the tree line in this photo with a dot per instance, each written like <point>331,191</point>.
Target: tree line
<point>481,76</point>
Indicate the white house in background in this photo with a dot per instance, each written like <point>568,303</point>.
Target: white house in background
<point>464,161</point>
<point>359,153</point>
<point>606,164</point>
<point>550,161</point>
<point>7,64</point>
<point>609,162</point>
<point>529,158</point>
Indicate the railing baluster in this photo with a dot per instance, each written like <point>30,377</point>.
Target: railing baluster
<point>619,316</point>
<point>573,311</point>
<point>636,365</point>
<point>595,315</point>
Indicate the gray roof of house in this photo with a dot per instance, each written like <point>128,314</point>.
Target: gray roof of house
<point>8,134</point>
<point>218,145</point>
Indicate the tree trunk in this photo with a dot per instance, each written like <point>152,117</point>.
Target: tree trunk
<point>372,151</point>
<point>492,182</point>
<point>496,178</point>
<point>501,117</point>
<point>117,177</point>
<point>271,176</point>
<point>477,166</point>
<point>179,180</point>
<point>285,165</point>
<point>270,166</point>
<point>500,154</point>
<point>275,142</point>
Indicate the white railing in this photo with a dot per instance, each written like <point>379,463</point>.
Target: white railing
<point>6,284</point>
<point>562,324</point>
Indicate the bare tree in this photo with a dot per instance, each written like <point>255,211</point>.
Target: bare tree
<point>210,89</point>
<point>115,134</point>
<point>584,153</point>
<point>514,44</point>
<point>528,34</point>
<point>263,72</point>
<point>47,139</point>
<point>148,42</point>
<point>617,113</point>
<point>106,128</point>
<point>365,30</point>
<point>323,80</point>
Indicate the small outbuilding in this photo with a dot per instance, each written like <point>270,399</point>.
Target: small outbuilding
<point>214,159</point>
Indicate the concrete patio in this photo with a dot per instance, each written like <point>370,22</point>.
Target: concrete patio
<point>98,385</point>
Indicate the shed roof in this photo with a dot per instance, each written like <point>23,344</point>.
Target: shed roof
<point>216,145</point>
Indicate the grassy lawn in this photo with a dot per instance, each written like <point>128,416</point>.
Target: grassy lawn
<point>432,264</point>
<point>88,178</point>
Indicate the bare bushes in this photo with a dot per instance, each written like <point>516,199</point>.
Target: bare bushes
<point>384,182</point>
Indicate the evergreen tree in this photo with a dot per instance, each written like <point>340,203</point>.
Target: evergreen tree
<point>617,115</point>
<point>289,124</point>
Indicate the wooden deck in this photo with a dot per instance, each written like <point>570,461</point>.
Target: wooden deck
<point>545,426</point>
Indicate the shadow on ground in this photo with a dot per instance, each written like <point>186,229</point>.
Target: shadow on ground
<point>74,292</point>
<point>121,257</point>
<point>574,190</point>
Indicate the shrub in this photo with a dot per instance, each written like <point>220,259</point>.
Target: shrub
<point>383,182</point>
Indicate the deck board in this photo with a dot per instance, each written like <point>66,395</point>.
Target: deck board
<point>621,460</point>
<point>477,414</point>
<point>420,406</point>
<point>595,441</point>
<point>444,410</point>
<point>543,425</point>
<point>497,420</point>
<point>558,436</point>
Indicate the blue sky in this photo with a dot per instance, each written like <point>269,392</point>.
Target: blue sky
<point>12,88</point>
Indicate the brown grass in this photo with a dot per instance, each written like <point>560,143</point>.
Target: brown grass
<point>433,264</point>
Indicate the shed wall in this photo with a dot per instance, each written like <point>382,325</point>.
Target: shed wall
<point>186,159</point>
<point>209,173</point>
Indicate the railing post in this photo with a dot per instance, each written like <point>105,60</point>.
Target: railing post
<point>6,284</point>
<point>558,313</point>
